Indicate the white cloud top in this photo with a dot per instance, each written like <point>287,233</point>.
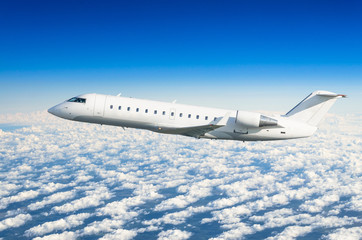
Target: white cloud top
<point>62,224</point>
<point>69,180</point>
<point>16,221</point>
<point>174,234</point>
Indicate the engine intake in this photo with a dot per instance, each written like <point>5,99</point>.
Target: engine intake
<point>254,120</point>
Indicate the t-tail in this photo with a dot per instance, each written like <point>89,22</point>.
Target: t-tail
<point>314,107</point>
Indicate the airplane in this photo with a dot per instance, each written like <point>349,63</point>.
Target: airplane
<point>198,122</point>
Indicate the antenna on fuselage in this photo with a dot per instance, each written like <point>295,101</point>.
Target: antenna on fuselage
<point>119,94</point>
<point>174,101</point>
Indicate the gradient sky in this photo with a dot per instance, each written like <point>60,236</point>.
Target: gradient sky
<point>250,55</point>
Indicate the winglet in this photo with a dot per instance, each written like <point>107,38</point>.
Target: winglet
<point>223,121</point>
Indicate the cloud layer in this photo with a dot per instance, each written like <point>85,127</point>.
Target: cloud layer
<point>69,180</point>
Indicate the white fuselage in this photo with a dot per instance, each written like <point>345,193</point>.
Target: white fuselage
<point>172,118</point>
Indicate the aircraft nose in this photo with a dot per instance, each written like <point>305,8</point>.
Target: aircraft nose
<point>52,110</point>
<point>60,111</point>
<point>57,110</point>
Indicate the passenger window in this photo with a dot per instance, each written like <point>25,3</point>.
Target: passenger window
<point>189,115</point>
<point>129,108</point>
<point>137,109</point>
<point>146,111</point>
<point>119,107</point>
<point>180,114</point>
<point>197,116</point>
<point>206,117</point>
<point>164,113</point>
<point>155,112</point>
<point>111,107</point>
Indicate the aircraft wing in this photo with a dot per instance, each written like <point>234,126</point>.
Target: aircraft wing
<point>195,132</point>
<point>198,131</point>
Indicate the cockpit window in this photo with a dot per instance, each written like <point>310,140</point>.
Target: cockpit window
<point>78,100</point>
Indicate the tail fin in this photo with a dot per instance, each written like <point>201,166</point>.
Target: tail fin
<point>313,108</point>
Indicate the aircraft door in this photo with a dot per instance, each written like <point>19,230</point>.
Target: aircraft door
<point>99,102</point>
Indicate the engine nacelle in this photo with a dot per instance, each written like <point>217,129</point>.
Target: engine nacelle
<point>254,120</point>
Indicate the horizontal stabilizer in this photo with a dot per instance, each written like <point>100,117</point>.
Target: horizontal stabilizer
<point>329,94</point>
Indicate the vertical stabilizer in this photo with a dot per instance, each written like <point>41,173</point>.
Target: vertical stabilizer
<point>313,108</point>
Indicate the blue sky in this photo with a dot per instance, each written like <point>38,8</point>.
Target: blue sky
<point>252,55</point>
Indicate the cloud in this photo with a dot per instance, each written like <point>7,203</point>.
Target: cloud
<point>194,193</point>
<point>238,232</point>
<point>121,211</point>
<point>55,198</point>
<point>355,204</point>
<point>317,205</point>
<point>83,178</point>
<point>229,215</point>
<point>292,232</point>
<point>152,182</point>
<point>61,224</point>
<point>353,233</point>
<point>7,188</point>
<point>106,225</point>
<point>22,196</point>
<point>120,208</point>
<point>120,234</point>
<point>52,187</point>
<point>174,218</point>
<point>93,198</point>
<point>174,234</point>
<point>16,221</point>
<point>59,236</point>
